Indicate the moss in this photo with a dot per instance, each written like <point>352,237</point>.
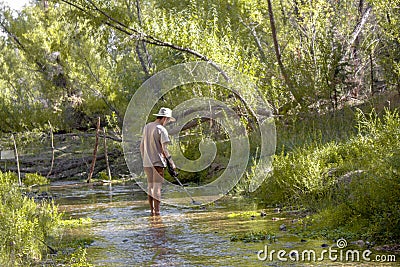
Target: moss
<point>254,237</point>
<point>243,214</point>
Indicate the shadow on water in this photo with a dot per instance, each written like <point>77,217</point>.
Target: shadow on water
<point>125,234</point>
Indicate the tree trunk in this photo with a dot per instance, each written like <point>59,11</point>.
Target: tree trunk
<point>52,150</point>
<point>141,45</point>
<point>96,145</point>
<point>359,26</point>
<point>106,154</point>
<point>371,62</point>
<point>288,82</point>
<point>17,159</point>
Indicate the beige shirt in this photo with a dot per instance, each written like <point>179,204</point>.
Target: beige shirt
<point>154,134</point>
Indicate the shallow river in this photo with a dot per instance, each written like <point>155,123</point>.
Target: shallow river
<point>126,235</point>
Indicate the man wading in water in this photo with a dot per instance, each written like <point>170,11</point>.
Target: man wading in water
<point>153,148</point>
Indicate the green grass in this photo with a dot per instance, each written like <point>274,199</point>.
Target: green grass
<point>24,225</point>
<point>245,214</point>
<point>351,184</point>
<point>254,237</point>
<point>30,230</point>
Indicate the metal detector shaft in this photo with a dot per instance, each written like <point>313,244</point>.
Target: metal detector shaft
<point>193,201</point>
<point>174,174</point>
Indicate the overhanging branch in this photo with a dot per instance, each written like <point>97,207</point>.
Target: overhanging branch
<point>140,36</point>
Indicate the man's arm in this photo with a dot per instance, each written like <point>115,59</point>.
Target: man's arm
<point>142,146</point>
<point>167,154</point>
<point>164,143</point>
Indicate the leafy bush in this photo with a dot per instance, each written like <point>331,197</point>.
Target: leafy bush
<point>353,186</point>
<point>35,179</point>
<point>103,176</point>
<point>24,225</point>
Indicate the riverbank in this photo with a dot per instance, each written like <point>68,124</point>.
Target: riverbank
<point>230,232</point>
<point>350,186</point>
<point>33,229</point>
<point>342,170</point>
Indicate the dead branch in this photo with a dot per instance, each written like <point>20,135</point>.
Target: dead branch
<point>96,145</point>
<point>114,138</point>
<point>106,154</point>
<point>52,149</point>
<point>17,159</point>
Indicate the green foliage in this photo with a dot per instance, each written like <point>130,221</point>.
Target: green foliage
<point>189,145</point>
<point>78,259</point>
<point>72,246</point>
<point>28,229</point>
<point>103,176</point>
<point>34,179</point>
<point>24,225</point>
<point>245,214</point>
<point>353,185</point>
<point>67,66</point>
<point>73,223</point>
<point>388,19</point>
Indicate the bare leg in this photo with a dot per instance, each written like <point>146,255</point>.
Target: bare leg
<point>150,188</point>
<point>157,197</point>
<point>156,207</point>
<point>158,177</point>
<point>150,198</point>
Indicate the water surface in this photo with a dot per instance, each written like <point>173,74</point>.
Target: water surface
<point>126,235</point>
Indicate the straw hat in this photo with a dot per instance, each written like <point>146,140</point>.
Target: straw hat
<point>165,112</point>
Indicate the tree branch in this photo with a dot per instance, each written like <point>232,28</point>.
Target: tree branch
<point>21,46</point>
<point>256,39</point>
<point>356,31</point>
<point>360,25</point>
<point>136,34</point>
<point>143,44</point>
<point>289,83</point>
<point>111,107</point>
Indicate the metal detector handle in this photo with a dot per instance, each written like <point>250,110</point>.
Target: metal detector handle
<point>171,170</point>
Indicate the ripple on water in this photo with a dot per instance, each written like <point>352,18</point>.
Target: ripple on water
<point>125,234</point>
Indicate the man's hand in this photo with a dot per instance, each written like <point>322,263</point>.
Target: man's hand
<point>167,155</point>
<point>173,164</point>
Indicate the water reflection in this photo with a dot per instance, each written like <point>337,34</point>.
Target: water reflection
<point>126,236</point>
<point>157,236</point>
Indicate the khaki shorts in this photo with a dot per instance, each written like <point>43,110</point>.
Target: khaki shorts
<point>154,174</point>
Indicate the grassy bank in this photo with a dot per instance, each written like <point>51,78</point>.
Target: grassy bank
<point>349,181</point>
<point>32,232</point>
